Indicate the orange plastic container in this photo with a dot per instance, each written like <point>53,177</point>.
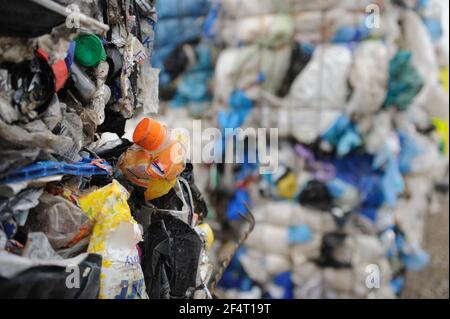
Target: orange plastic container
<point>155,156</point>
<point>150,134</point>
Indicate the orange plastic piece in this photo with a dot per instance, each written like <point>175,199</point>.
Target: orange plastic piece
<point>149,134</point>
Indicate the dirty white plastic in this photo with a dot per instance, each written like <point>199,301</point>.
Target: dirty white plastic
<point>368,77</point>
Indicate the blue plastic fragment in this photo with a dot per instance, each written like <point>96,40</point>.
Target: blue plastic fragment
<point>235,277</point>
<point>47,168</point>
<point>236,205</point>
<point>284,282</point>
<point>409,151</point>
<point>434,29</point>
<point>415,261</point>
<point>397,285</point>
<point>211,20</point>
<point>337,187</point>
<point>299,234</point>
<point>70,54</point>
<point>343,135</point>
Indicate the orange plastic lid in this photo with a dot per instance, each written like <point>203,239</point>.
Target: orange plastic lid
<point>149,134</point>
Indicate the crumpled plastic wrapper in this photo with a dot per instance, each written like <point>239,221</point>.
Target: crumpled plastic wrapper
<point>115,236</point>
<point>58,218</point>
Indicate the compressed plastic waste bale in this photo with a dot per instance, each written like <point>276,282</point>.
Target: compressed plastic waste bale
<point>45,122</point>
<point>114,236</point>
<point>364,150</point>
<point>179,23</point>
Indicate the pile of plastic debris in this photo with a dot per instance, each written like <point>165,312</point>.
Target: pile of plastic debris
<point>359,93</point>
<point>85,212</point>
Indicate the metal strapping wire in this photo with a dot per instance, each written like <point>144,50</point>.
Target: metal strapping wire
<point>226,262</point>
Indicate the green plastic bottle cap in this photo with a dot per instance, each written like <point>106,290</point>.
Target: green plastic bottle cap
<point>89,50</point>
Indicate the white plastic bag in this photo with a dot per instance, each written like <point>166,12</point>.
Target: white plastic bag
<point>323,82</point>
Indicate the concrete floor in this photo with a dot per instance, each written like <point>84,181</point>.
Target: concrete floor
<point>433,283</point>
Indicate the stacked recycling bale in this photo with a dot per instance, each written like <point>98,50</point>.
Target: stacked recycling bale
<point>354,88</point>
<point>183,54</point>
<point>74,214</point>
